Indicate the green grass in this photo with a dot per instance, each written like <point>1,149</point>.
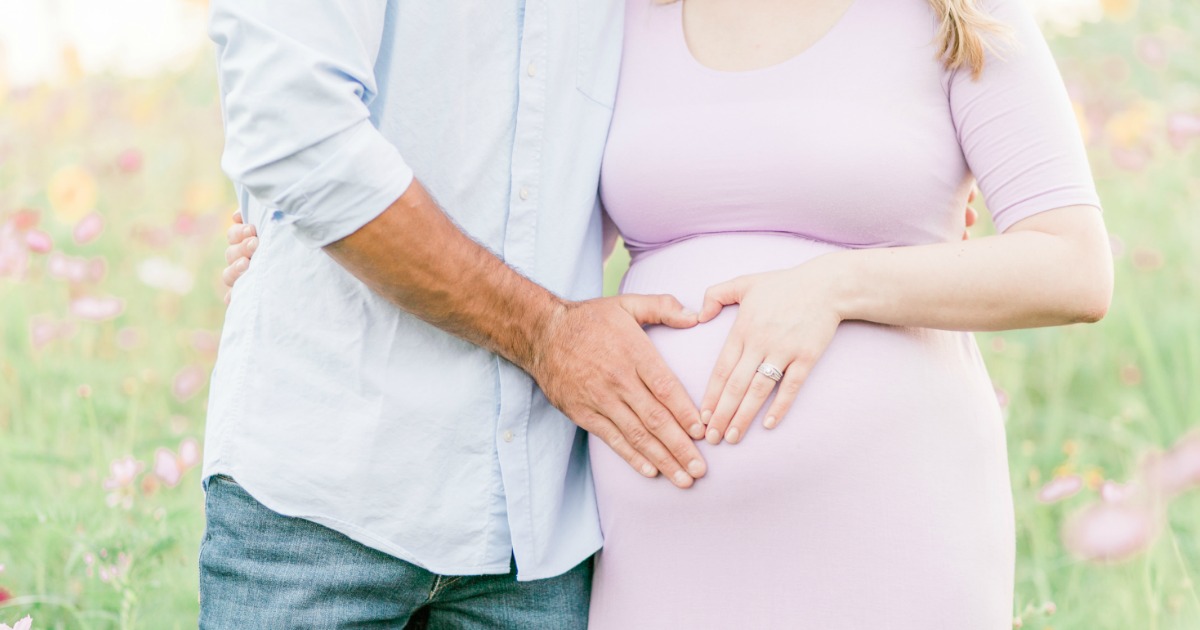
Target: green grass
<point>1085,399</point>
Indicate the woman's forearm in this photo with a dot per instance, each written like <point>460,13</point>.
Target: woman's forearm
<point>1050,269</point>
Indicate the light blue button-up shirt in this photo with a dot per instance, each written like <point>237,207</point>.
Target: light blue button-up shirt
<point>328,402</point>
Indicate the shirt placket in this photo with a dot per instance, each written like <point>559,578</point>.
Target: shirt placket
<point>520,247</point>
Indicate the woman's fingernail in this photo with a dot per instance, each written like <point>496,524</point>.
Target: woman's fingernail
<point>682,479</point>
<point>770,422</point>
<point>649,470</point>
<point>732,435</point>
<point>696,468</point>
<point>697,431</point>
<point>705,416</point>
<point>714,436</point>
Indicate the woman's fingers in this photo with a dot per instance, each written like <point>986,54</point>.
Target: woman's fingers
<point>760,390</point>
<point>731,396</point>
<point>721,295</point>
<point>726,362</point>
<point>789,387</point>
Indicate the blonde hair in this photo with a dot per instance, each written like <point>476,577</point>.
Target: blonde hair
<point>961,33</point>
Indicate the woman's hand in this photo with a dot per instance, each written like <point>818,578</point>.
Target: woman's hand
<point>243,240</point>
<point>786,319</point>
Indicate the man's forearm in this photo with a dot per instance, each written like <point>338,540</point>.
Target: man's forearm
<point>416,257</point>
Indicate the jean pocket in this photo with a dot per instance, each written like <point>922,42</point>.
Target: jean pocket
<point>598,27</point>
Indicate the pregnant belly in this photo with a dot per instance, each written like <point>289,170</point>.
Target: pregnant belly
<point>885,407</point>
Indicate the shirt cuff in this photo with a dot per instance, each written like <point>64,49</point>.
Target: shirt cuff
<point>362,177</point>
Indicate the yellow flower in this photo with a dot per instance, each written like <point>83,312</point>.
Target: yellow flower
<point>1093,477</point>
<point>1126,129</point>
<point>72,193</point>
<point>1085,130</point>
<point>1119,10</point>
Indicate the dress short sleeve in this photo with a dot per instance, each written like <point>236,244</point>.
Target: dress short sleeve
<point>1017,128</point>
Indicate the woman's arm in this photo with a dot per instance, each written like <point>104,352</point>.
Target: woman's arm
<point>1051,268</point>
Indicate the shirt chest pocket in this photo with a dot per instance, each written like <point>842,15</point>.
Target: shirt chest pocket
<point>598,27</point>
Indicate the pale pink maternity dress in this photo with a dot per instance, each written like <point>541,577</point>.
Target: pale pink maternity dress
<point>882,500</point>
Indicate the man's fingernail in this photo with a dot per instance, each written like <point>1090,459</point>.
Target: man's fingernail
<point>696,468</point>
<point>714,436</point>
<point>252,243</point>
<point>770,422</point>
<point>682,479</point>
<point>705,416</point>
<point>697,431</point>
<point>732,435</point>
<point>648,470</point>
<point>689,314</point>
<point>242,264</point>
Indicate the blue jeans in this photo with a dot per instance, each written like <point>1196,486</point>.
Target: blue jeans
<point>260,569</point>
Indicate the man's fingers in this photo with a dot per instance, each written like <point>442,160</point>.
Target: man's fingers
<point>604,429</point>
<point>972,216</point>
<point>666,388</point>
<point>731,397</point>
<point>658,309</point>
<point>638,424</point>
<point>237,217</point>
<point>235,271</point>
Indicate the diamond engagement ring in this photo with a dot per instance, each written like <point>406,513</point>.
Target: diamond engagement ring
<point>770,371</point>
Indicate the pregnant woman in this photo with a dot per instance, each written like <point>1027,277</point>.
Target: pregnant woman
<point>795,171</point>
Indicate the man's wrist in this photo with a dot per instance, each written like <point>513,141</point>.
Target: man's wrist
<point>543,323</point>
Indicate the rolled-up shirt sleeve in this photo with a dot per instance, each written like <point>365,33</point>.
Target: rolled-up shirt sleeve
<point>296,81</point>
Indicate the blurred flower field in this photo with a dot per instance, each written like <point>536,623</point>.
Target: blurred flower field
<point>112,215</point>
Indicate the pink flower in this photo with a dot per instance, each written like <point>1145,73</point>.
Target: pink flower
<point>39,241</point>
<point>88,228</point>
<point>1182,128</point>
<point>189,452</point>
<point>44,330</point>
<point>1111,531</point>
<point>1176,470</point>
<point>129,338</point>
<point>1060,488</point>
<point>188,382</point>
<point>75,269</point>
<point>23,624</point>
<point>130,161</point>
<point>1113,492</point>
<point>167,467</point>
<point>122,472</point>
<point>1152,51</point>
<point>14,254</point>
<point>205,341</point>
<point>97,309</point>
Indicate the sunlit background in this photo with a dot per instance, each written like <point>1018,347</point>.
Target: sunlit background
<point>112,213</point>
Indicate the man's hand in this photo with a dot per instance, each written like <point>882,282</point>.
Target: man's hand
<point>243,240</point>
<point>595,363</point>
<point>972,214</point>
<point>591,358</point>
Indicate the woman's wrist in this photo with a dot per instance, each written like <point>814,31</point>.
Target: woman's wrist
<point>839,283</point>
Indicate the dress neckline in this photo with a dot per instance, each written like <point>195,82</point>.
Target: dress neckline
<point>821,41</point>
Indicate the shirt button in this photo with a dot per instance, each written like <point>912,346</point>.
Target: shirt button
<point>524,193</point>
<point>508,436</point>
<point>532,69</point>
